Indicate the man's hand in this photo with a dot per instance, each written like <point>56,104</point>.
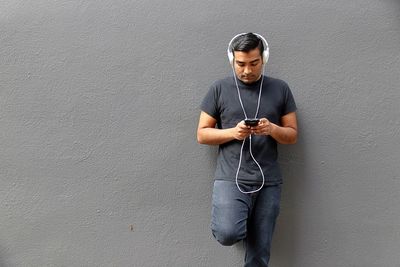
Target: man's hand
<point>284,134</point>
<point>241,131</point>
<point>264,127</point>
<point>208,134</point>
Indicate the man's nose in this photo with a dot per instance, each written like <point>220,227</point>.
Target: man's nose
<point>247,70</point>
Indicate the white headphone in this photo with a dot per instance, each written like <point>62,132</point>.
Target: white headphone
<point>265,53</point>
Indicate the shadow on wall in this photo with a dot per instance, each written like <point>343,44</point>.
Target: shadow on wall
<point>2,256</point>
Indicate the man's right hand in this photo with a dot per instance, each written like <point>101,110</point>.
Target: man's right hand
<point>241,131</point>
<point>208,134</point>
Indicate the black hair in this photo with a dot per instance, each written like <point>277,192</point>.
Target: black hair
<point>247,42</point>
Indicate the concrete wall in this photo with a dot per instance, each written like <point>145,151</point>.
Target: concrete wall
<point>99,164</point>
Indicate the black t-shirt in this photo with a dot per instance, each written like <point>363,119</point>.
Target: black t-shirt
<point>222,103</point>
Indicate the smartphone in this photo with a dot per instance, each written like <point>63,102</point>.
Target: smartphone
<point>251,122</point>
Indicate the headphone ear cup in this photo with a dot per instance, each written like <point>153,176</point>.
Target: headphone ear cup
<point>230,57</point>
<point>266,56</point>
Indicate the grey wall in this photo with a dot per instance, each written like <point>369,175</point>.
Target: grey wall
<point>99,164</point>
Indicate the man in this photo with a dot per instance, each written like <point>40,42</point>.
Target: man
<point>247,186</point>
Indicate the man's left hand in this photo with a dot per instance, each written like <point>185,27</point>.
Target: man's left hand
<point>264,127</point>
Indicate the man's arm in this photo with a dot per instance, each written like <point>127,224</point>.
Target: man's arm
<point>208,134</point>
<point>285,134</point>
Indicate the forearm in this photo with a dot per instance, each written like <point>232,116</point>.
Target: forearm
<point>214,136</point>
<point>284,135</point>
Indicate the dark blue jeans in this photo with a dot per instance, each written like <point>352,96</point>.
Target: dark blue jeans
<point>249,217</point>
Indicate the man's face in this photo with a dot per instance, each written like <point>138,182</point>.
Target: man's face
<point>248,65</point>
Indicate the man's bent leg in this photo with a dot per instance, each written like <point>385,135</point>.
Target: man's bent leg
<point>261,226</point>
<point>230,210</point>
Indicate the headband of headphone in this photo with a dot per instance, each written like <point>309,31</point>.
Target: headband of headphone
<point>265,53</point>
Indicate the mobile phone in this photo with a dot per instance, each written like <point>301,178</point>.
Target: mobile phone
<point>251,122</point>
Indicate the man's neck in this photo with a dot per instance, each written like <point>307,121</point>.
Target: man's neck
<point>256,81</point>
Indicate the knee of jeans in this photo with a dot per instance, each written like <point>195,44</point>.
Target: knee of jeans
<point>227,236</point>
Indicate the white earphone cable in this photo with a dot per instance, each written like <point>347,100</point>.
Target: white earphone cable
<point>244,140</point>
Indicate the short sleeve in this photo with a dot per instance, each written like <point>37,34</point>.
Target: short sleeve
<point>289,103</point>
<point>210,102</point>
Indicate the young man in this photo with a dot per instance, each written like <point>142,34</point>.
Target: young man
<point>247,186</point>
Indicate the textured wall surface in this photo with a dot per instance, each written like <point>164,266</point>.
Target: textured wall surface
<point>99,164</point>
